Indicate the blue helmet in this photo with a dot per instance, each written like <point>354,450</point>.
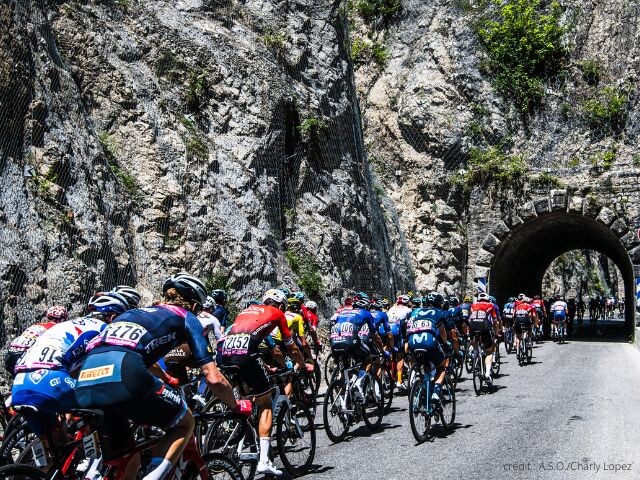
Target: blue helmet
<point>109,302</point>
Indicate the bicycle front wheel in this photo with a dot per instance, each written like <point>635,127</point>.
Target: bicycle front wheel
<point>221,467</point>
<point>419,418</point>
<point>334,412</point>
<point>329,367</point>
<point>478,377</point>
<point>387,387</point>
<point>373,408</point>
<point>231,437</point>
<point>21,472</point>
<point>448,405</point>
<point>296,438</point>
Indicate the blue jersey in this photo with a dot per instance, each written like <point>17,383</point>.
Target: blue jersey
<point>455,317</point>
<point>465,311</point>
<point>497,309</point>
<point>155,331</point>
<point>426,320</point>
<point>222,314</point>
<point>348,325</point>
<point>382,321</point>
<point>508,310</point>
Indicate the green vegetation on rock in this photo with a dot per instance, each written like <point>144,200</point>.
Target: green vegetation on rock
<point>524,45</point>
<point>197,91</point>
<point>491,167</point>
<point>608,110</point>
<point>364,50</point>
<point>307,271</point>
<point>591,71</point>
<point>310,127</point>
<point>546,180</point>
<point>376,10</point>
<point>194,142</point>
<point>275,40</point>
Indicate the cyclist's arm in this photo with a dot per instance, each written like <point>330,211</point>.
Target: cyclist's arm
<point>293,350</point>
<point>443,333</point>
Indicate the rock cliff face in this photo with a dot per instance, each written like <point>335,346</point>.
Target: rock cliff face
<point>222,138</point>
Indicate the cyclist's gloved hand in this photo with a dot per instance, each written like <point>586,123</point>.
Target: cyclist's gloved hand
<point>172,381</point>
<point>244,407</point>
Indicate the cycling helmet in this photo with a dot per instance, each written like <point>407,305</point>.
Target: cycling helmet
<point>251,302</point>
<point>360,303</point>
<point>511,299</point>
<point>492,299</point>
<point>285,291</point>
<point>361,295</point>
<point>537,297</point>
<point>403,300</point>
<point>274,296</point>
<point>521,297</point>
<point>294,302</point>
<point>467,299</point>
<point>210,303</point>
<point>377,304</point>
<point>219,295</point>
<point>385,303</point>
<point>130,293</point>
<point>300,296</point>
<point>313,306</point>
<point>417,300</point>
<point>558,297</point>
<point>434,298</point>
<point>57,314</point>
<point>348,301</point>
<point>109,302</point>
<point>484,297</point>
<point>454,301</point>
<point>189,287</point>
<point>446,304</point>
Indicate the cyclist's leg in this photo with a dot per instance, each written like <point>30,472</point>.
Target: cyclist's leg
<point>488,343</point>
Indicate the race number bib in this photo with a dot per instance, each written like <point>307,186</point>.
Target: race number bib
<point>124,334</point>
<point>364,331</point>
<point>41,356</point>
<point>420,326</point>
<point>342,330</point>
<point>236,344</point>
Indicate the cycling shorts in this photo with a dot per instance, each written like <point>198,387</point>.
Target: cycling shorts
<point>10,360</point>
<point>485,338</point>
<point>559,317</point>
<point>117,381</point>
<point>252,372</point>
<point>356,348</point>
<point>50,391</point>
<point>521,327</point>
<point>428,346</point>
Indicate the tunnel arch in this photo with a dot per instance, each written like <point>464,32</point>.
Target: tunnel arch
<point>519,250</point>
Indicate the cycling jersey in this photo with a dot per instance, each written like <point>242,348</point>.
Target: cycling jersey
<point>381,320</point>
<point>538,304</point>
<point>423,333</point>
<point>152,332</point>
<point>465,310</point>
<point>22,343</point>
<point>295,322</point>
<point>344,333</point>
<point>482,316</point>
<point>210,323</point>
<point>222,314</point>
<point>62,346</point>
<point>251,326</point>
<point>508,311</point>
<point>559,309</point>
<point>313,318</point>
<point>454,318</point>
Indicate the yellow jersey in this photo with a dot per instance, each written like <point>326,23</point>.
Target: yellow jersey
<point>296,325</point>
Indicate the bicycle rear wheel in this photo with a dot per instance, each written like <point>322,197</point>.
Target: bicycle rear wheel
<point>296,438</point>
<point>221,467</point>
<point>387,387</point>
<point>529,350</point>
<point>448,405</point>
<point>478,377</point>
<point>419,418</point>
<point>468,361</point>
<point>223,437</point>
<point>373,408</point>
<point>334,412</point>
<point>21,472</point>
<point>495,366</point>
<point>329,367</point>
<point>15,443</point>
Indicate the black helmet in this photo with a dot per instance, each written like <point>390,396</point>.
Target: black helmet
<point>219,295</point>
<point>454,301</point>
<point>436,299</point>
<point>131,294</point>
<point>360,302</point>
<point>189,287</point>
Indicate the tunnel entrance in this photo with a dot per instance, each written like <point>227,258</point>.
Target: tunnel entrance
<point>522,258</point>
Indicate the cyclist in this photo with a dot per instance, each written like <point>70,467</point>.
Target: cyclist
<point>115,376</point>
<point>26,339</point>
<point>426,333</point>
<point>541,313</point>
<point>295,322</point>
<point>482,322</point>
<point>345,339</point>
<point>381,321</point>
<point>132,296</point>
<point>310,318</point>
<point>465,311</point>
<point>44,373</point>
<point>454,319</point>
<point>560,312</point>
<point>398,315</point>
<point>580,308</point>
<point>524,317</point>
<point>220,310</point>
<point>507,314</point>
<point>240,349</point>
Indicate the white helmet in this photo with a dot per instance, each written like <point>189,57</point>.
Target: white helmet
<point>130,293</point>
<point>311,305</point>
<point>189,287</point>
<point>483,297</point>
<point>276,296</point>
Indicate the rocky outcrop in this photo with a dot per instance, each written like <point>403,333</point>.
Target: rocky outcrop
<point>222,138</point>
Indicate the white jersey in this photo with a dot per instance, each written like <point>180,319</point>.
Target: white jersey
<point>62,346</point>
<point>26,340</point>
<point>398,314</point>
<point>559,307</point>
<point>211,324</point>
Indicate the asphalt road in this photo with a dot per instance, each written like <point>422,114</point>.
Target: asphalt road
<point>573,413</point>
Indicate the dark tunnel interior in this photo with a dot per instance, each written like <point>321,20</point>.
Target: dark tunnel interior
<point>524,256</point>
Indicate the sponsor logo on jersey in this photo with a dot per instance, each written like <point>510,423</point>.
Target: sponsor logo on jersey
<point>54,382</point>
<point>70,381</point>
<point>95,373</point>
<point>38,375</point>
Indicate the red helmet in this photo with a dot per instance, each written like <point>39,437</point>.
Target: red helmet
<point>57,314</point>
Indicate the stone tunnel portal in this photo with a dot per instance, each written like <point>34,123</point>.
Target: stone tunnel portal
<point>523,257</point>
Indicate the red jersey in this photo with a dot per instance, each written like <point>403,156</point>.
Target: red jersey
<point>483,310</point>
<point>310,317</point>
<point>251,326</point>
<point>523,309</point>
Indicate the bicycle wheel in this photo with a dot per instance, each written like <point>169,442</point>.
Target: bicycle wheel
<point>296,438</point>
<point>459,368</point>
<point>447,405</point>
<point>224,436</point>
<point>495,366</point>
<point>21,472</point>
<point>478,377</point>
<point>419,418</point>
<point>334,412</point>
<point>373,408</point>
<point>221,467</point>
<point>387,388</point>
<point>329,367</point>
<point>305,390</point>
<point>15,443</point>
<point>468,361</point>
<point>529,350</point>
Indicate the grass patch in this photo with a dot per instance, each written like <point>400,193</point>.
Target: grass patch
<point>524,45</point>
<point>364,50</point>
<point>376,11</point>
<point>198,90</point>
<point>591,71</point>
<point>127,180</point>
<point>275,40</point>
<point>608,110</point>
<point>310,127</point>
<point>545,180</point>
<point>491,167</point>
<point>307,271</point>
